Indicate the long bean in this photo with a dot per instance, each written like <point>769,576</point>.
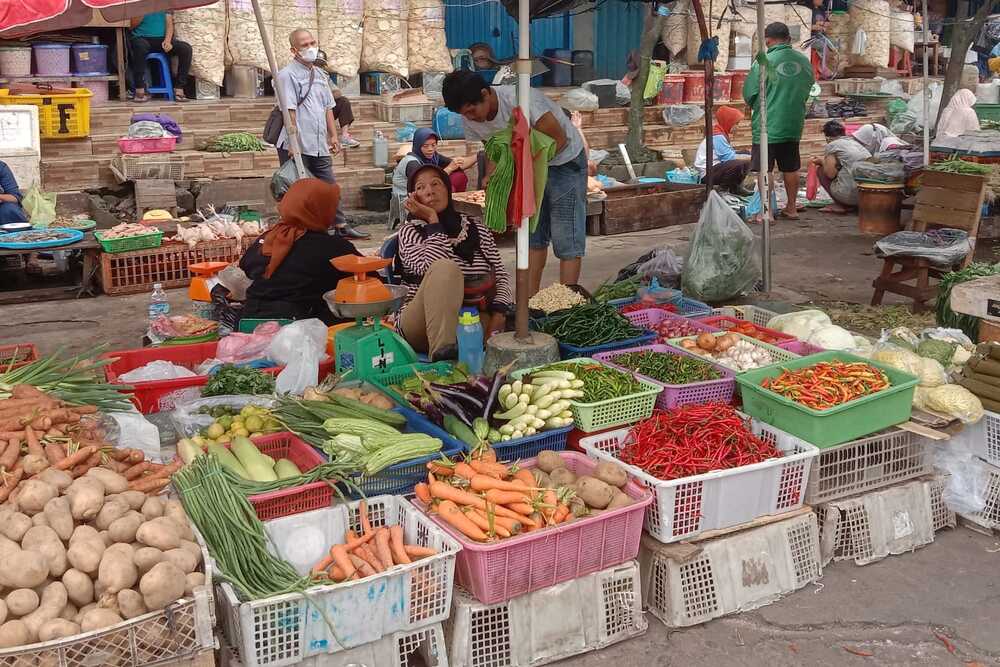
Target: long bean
<point>589,324</point>
<point>622,289</point>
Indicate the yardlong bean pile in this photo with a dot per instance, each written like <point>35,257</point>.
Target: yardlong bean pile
<point>666,367</point>
<point>828,384</point>
<point>599,382</point>
<point>589,324</point>
<point>623,289</point>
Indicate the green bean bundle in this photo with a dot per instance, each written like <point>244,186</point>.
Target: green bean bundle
<point>589,324</point>
<point>623,289</point>
<point>235,142</point>
<point>957,165</point>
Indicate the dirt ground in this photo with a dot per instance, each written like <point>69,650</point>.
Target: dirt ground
<point>888,613</point>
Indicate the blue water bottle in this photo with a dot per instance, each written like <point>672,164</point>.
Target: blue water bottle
<point>470,340</point>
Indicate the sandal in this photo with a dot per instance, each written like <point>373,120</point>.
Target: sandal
<point>181,97</point>
<point>141,99</point>
<point>783,215</point>
<point>834,211</point>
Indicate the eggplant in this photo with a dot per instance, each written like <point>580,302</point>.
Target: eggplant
<point>481,385</point>
<point>431,411</point>
<point>491,397</point>
<point>448,404</point>
<point>456,394</point>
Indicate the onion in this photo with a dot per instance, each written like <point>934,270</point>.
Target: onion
<point>724,343</point>
<point>706,342</point>
<point>688,344</point>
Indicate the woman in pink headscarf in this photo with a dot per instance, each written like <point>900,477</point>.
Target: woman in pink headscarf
<point>959,117</point>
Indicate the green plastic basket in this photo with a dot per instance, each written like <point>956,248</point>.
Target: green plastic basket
<point>780,356</point>
<point>400,373</point>
<point>826,428</point>
<point>592,417</point>
<point>987,111</point>
<point>141,242</point>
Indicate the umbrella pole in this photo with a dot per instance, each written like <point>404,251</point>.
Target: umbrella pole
<point>291,130</point>
<point>927,125</point>
<point>524,102</point>
<point>762,173</point>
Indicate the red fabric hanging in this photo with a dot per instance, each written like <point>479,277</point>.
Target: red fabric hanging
<point>522,193</point>
<point>22,18</point>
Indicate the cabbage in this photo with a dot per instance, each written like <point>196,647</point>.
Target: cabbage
<point>832,337</point>
<point>956,401</point>
<point>800,324</point>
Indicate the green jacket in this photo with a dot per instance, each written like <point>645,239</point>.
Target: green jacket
<point>789,79</point>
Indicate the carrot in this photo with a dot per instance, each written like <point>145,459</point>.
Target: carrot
<point>419,552</point>
<point>484,483</point>
<point>349,535</point>
<point>524,475</point>
<point>487,454</point>
<point>41,423</point>
<point>10,482</point>
<point>423,493</point>
<point>449,511</point>
<point>367,555</point>
<point>24,404</point>
<point>137,471</point>
<point>561,513</point>
<point>551,501</point>
<point>480,519</point>
<point>342,560</point>
<point>523,509</point>
<point>60,416</point>
<point>439,468</point>
<point>11,435</point>
<point>353,544</point>
<point>430,477</point>
<point>336,573</point>
<point>443,491</point>
<point>362,566</point>
<point>505,497</point>
<point>464,470</point>
<point>382,548</point>
<point>28,391</point>
<point>322,566</point>
<point>149,485</point>
<point>11,454</point>
<point>366,526</point>
<point>494,470</point>
<point>396,545</point>
<point>13,424</point>
<point>84,409</point>
<point>54,433</point>
<point>513,525</point>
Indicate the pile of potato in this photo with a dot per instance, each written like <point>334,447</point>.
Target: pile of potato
<point>88,553</point>
<point>600,491</point>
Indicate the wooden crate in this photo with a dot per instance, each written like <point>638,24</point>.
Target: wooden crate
<point>136,272</point>
<point>633,208</point>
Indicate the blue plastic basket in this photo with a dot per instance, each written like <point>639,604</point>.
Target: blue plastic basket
<point>72,236</point>
<point>567,351</point>
<point>529,446</point>
<point>692,307</point>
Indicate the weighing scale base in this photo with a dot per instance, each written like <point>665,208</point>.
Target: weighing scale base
<point>371,351</point>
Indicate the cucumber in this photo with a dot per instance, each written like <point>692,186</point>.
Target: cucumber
<point>364,410</point>
<point>455,427</point>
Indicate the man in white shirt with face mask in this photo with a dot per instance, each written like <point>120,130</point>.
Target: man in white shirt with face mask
<point>310,103</point>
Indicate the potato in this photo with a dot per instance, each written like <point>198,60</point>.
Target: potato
<point>193,581</point>
<point>83,611</point>
<point>85,555</point>
<point>58,517</point>
<point>117,570</point>
<point>134,499</point>
<point>152,508</point>
<point>3,612</point>
<point>98,618</point>
<point>541,479</point>
<point>33,495</point>
<point>54,598</point>
<point>45,541</point>
<point>611,473</point>
<point>193,548</point>
<point>84,532</point>
<point>13,633</point>
<point>8,546</point>
<point>39,519</point>
<point>562,477</point>
<point>130,604</point>
<point>124,528</point>
<point>146,557</point>
<point>79,587</point>
<point>112,481</point>
<point>162,585</point>
<point>549,460</point>
<point>594,492</point>
<point>182,558</point>
<point>57,628</point>
<point>111,512</point>
<point>57,478</point>
<point>620,500</point>
<point>21,602</point>
<point>86,497</point>
<point>14,525</point>
<point>69,612</point>
<point>34,464</point>
<point>23,569</point>
<point>173,509</point>
<point>162,533</point>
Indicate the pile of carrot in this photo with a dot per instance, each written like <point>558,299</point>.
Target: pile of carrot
<point>485,500</point>
<point>372,551</point>
<point>38,431</point>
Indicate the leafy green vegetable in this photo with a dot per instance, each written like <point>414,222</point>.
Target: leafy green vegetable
<point>938,350</point>
<point>235,142</point>
<point>233,380</point>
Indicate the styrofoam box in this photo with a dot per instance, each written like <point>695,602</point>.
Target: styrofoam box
<point>868,527</point>
<point>684,507</point>
<point>550,624</point>
<point>981,438</point>
<point>19,130</point>
<point>733,573</point>
<point>287,629</point>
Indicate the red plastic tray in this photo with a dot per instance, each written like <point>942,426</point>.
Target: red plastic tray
<point>297,499</point>
<point>725,323</point>
<point>26,352</point>
<point>147,144</point>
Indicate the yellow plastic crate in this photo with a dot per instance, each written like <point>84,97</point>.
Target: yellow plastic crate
<point>62,115</point>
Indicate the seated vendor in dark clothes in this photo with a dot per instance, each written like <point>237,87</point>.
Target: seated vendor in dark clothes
<point>10,197</point>
<point>290,264</point>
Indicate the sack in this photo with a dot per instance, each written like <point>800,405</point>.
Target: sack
<point>879,172</point>
<point>40,206</point>
<point>283,178</point>
<point>679,115</point>
<point>722,260</point>
<point>812,181</point>
<point>579,99</point>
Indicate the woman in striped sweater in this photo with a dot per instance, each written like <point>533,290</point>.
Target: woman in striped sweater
<point>440,254</point>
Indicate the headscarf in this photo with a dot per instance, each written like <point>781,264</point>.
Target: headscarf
<point>871,136</point>
<point>449,219</point>
<point>309,205</point>
<point>726,119</point>
<point>959,117</point>
<point>421,137</point>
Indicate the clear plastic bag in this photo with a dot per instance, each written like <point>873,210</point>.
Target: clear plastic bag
<point>879,172</point>
<point>236,281</point>
<point>238,348</point>
<point>138,432</point>
<point>579,99</point>
<point>722,260</point>
<point>283,178</point>
<point>664,266</point>
<point>187,421</point>
<point>916,106</point>
<point>679,115</point>
<point>299,346</point>
<point>966,485</point>
<point>156,370</point>
<point>40,206</point>
<point>942,247</point>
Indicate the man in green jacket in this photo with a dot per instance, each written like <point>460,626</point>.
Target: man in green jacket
<point>789,80</point>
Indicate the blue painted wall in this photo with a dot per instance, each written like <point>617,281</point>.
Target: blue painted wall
<point>617,30</point>
<point>471,21</point>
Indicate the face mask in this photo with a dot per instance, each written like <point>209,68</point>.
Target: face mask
<point>309,54</point>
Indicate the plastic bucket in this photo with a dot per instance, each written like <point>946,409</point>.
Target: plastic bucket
<point>694,87</point>
<point>722,85</point>
<point>376,197</point>
<point>90,59</point>
<point>15,61</point>
<point>606,95</point>
<point>879,208</point>
<point>98,91</point>
<point>672,91</point>
<point>51,59</point>
<point>736,88</point>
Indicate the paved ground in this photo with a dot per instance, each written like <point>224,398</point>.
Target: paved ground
<point>888,613</point>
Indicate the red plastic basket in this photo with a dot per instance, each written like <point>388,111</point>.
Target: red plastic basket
<point>147,144</point>
<point>297,499</point>
<point>17,355</point>
<point>726,322</point>
<point>518,565</point>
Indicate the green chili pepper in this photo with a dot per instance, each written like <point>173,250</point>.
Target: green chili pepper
<point>589,324</point>
<point>666,367</point>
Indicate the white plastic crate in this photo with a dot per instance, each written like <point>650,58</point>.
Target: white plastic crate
<point>682,508</point>
<point>867,464</point>
<point>729,574</point>
<point>287,629</point>
<point>981,438</point>
<point>425,647</point>
<point>182,630</point>
<point>550,624</point>
<point>868,527</point>
<point>989,516</point>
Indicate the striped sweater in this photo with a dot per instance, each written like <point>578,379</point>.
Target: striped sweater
<point>418,252</point>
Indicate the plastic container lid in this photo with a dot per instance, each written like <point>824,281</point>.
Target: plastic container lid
<point>652,179</point>
<point>88,46</point>
<point>468,317</point>
<point>50,46</point>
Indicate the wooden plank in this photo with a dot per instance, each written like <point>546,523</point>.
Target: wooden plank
<point>935,216</point>
<point>923,431</point>
<point>979,298</point>
<point>756,523</point>
<point>155,194</point>
<point>950,199</point>
<point>954,182</point>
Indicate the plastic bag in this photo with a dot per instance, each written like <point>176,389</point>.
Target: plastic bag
<point>664,266</point>
<point>678,115</point>
<point>236,281</point>
<point>187,421</point>
<point>722,260</point>
<point>299,346</point>
<point>859,43</point>
<point>597,156</point>
<point>40,206</point>
<point>812,181</point>
<point>683,175</point>
<point>942,247</point>
<point>929,372</point>
<point>138,432</point>
<point>156,370</point>
<point>406,132</point>
<point>579,99</point>
<point>894,108</point>
<point>916,106</point>
<point>283,178</point>
<point>966,486</point>
<point>879,172</point>
<point>239,348</point>
<point>654,82</point>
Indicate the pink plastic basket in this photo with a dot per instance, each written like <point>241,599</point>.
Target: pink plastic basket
<point>801,348</point>
<point>297,499</point>
<point>651,317</point>
<point>673,395</point>
<point>147,144</point>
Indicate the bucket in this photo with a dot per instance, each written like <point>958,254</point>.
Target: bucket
<point>694,87</point>
<point>51,59</point>
<point>879,205</point>
<point>98,91</point>
<point>15,61</point>
<point>721,87</point>
<point>90,59</point>
<point>736,87</point>
<point>583,67</point>
<point>672,91</point>
<point>376,197</point>
<point>606,94</point>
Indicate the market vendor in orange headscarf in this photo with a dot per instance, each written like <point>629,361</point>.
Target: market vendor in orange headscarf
<point>290,263</point>
<point>730,168</point>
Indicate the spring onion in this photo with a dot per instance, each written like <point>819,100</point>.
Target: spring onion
<point>75,379</point>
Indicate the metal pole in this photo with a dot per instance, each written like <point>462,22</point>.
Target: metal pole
<point>521,286</point>
<point>291,130</point>
<point>927,124</point>
<point>709,75</point>
<point>762,174</point>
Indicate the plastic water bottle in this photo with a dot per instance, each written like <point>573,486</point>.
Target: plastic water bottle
<point>381,149</point>
<point>470,340</point>
<point>158,304</point>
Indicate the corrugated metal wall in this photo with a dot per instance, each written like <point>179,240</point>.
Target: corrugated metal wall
<point>471,21</point>
<point>617,30</point>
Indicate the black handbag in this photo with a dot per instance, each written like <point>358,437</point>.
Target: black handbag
<point>276,120</point>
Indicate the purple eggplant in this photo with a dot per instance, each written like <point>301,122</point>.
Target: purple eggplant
<point>462,396</point>
<point>450,405</point>
<point>491,397</point>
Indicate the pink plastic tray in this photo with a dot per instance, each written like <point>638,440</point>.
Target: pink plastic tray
<point>298,498</point>
<point>147,144</point>
<point>548,556</point>
<point>649,318</point>
<point>673,395</point>
<point>801,348</point>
